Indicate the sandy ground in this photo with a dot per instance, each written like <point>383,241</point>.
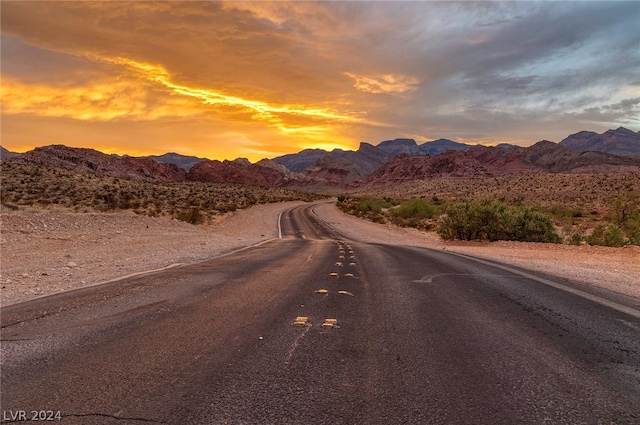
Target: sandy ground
<point>45,253</point>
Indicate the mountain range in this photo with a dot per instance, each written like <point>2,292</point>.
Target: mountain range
<point>620,141</point>
<point>389,162</point>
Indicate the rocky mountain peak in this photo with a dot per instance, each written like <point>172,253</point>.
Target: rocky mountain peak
<point>620,141</point>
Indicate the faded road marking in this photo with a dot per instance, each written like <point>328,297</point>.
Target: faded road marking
<point>330,323</point>
<point>301,321</point>
<point>429,278</point>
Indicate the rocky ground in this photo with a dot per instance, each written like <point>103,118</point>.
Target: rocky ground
<point>48,252</point>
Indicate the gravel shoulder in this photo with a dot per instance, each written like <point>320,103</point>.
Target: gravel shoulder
<point>42,253</point>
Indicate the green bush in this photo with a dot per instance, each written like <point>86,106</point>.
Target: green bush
<point>626,211</point>
<point>560,211</point>
<point>370,205</point>
<point>575,239</point>
<point>632,229</point>
<point>415,208</point>
<point>494,220</point>
<point>530,225</point>
<point>607,235</point>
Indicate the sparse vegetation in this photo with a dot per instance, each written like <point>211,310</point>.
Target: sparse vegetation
<point>491,219</point>
<point>37,187</point>
<point>606,235</point>
<point>494,220</point>
<point>576,193</point>
<point>626,210</point>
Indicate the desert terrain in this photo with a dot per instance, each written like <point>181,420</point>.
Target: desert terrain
<point>47,252</point>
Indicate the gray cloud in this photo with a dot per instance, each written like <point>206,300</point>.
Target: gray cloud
<point>436,69</point>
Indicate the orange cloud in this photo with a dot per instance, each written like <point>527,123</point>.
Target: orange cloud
<point>100,101</point>
<point>387,83</point>
<point>146,91</point>
<point>262,110</point>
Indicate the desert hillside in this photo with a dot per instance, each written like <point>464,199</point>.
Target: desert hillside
<point>36,188</point>
<point>591,192</point>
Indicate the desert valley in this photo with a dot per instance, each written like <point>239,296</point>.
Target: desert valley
<point>320,213</point>
<point>74,217</point>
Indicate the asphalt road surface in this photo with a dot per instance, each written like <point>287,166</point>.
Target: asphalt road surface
<point>315,328</point>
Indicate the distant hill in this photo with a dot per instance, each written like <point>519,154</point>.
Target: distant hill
<point>389,162</point>
<point>239,171</point>
<point>182,161</point>
<point>411,147</point>
<point>350,168</point>
<point>620,141</point>
<point>6,154</point>
<point>297,162</point>
<point>440,146</point>
<point>92,161</point>
<point>483,161</point>
<point>368,157</point>
<point>399,146</point>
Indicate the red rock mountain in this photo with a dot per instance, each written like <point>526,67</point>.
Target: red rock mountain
<point>332,172</point>
<point>620,141</point>
<point>483,161</point>
<point>91,161</point>
<point>239,171</point>
<point>368,165</point>
<point>409,167</point>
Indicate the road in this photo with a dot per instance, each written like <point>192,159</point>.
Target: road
<point>418,336</point>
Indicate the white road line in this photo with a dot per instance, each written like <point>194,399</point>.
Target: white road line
<point>586,295</point>
<point>280,224</point>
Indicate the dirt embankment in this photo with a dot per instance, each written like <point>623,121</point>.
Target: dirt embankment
<point>45,253</point>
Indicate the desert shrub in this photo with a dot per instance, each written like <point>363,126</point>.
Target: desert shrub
<point>472,220</point>
<point>607,235</point>
<point>626,211</point>
<point>626,207</point>
<point>370,205</point>
<point>494,220</point>
<point>529,225</point>
<point>415,208</point>
<point>575,239</point>
<point>561,211</point>
<point>193,216</point>
<point>614,237</point>
<point>632,229</point>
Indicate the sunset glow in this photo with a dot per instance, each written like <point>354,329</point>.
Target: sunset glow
<point>243,79</point>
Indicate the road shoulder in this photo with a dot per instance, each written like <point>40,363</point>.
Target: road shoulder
<point>615,269</point>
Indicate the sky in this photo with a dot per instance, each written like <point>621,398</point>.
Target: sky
<point>223,80</point>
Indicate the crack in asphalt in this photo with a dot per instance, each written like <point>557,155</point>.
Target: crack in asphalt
<point>105,415</point>
<point>295,343</point>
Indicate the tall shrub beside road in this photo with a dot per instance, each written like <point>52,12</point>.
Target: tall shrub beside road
<point>494,220</point>
<point>626,209</point>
